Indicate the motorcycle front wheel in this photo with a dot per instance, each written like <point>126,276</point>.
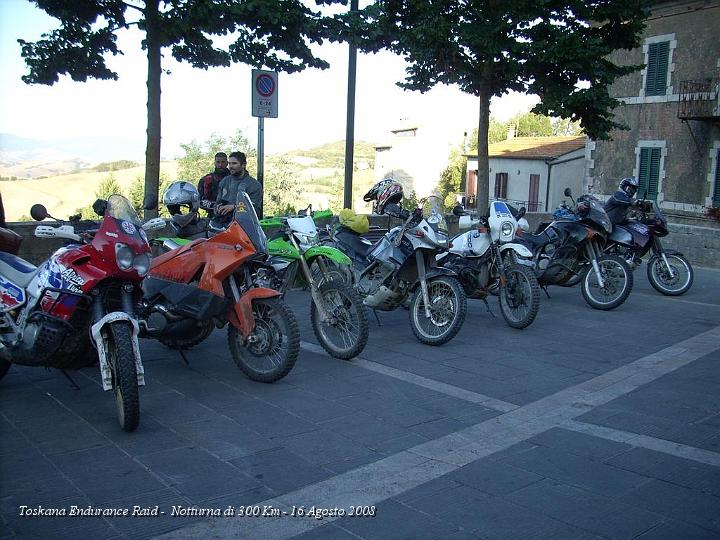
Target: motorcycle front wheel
<point>334,271</point>
<point>670,285</point>
<point>343,336</point>
<point>272,348</point>
<point>448,306</point>
<point>519,297</point>
<point>124,374</point>
<point>618,282</point>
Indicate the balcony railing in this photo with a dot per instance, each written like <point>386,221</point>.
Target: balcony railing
<point>699,100</point>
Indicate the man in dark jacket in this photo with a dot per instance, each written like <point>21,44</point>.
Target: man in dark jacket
<point>208,184</point>
<point>618,205</point>
<point>238,179</point>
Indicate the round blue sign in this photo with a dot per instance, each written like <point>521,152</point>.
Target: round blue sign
<point>265,85</point>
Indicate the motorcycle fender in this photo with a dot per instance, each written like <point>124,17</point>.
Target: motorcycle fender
<point>671,252</point>
<point>95,332</point>
<point>240,315</point>
<point>331,253</point>
<point>435,272</point>
<point>521,250</point>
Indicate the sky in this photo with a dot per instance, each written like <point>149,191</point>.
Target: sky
<point>196,103</point>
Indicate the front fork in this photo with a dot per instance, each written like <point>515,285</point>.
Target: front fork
<point>420,261</point>
<point>592,253</point>
<point>658,250</point>
<point>314,291</point>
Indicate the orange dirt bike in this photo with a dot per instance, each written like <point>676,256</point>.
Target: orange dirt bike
<point>223,281</point>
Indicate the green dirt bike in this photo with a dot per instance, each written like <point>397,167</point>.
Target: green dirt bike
<point>337,314</point>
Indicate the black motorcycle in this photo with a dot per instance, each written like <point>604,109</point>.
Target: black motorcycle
<point>669,272</point>
<point>570,250</point>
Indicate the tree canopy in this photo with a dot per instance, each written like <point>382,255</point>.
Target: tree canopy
<point>272,34</point>
<point>555,49</point>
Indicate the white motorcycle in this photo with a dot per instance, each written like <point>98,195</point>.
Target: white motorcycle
<point>481,258</point>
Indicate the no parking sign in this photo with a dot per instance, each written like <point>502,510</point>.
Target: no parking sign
<point>264,93</point>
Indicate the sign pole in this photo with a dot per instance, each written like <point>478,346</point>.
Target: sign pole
<point>261,158</point>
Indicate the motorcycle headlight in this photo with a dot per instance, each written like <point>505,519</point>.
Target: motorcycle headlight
<point>507,228</point>
<point>141,263</point>
<point>124,256</point>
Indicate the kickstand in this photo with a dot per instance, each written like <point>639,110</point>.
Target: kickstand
<point>545,291</point>
<point>487,305</point>
<point>377,318</point>
<point>69,378</point>
<point>182,354</point>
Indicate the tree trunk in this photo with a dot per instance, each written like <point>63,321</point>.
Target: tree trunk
<point>152,150</point>
<point>483,170</point>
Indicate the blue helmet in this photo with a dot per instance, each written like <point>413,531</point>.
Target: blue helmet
<point>630,186</point>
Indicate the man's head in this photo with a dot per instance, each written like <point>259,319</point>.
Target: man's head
<point>221,161</point>
<point>236,163</point>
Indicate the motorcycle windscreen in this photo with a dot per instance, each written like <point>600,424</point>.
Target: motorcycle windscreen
<point>120,208</point>
<point>246,217</point>
<point>596,213</point>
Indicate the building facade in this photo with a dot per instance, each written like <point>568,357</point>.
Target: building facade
<point>672,110</point>
<point>532,171</point>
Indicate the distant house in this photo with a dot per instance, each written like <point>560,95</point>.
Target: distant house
<point>413,154</point>
<point>532,171</point>
<point>672,109</point>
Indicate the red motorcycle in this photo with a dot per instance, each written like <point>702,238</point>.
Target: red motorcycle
<point>79,300</point>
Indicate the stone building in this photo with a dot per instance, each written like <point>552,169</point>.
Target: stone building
<point>672,109</point>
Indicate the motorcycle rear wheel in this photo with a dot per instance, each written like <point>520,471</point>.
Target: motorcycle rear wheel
<point>201,334</point>
<point>273,347</point>
<point>122,364</point>
<point>346,335</point>
<point>668,285</point>
<point>448,307</point>
<point>520,296</point>
<point>618,278</point>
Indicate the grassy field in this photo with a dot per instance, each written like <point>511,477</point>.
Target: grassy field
<point>62,195</point>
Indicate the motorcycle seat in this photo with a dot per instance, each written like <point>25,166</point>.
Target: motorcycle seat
<point>16,269</point>
<point>532,241</point>
<point>354,241</point>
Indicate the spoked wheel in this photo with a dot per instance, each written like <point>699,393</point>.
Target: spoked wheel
<point>345,334</point>
<point>671,284</point>
<point>197,336</point>
<point>448,306</point>
<point>124,374</point>
<point>519,297</point>
<point>272,348</point>
<point>618,282</point>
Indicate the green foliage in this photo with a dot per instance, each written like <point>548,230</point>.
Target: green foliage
<point>333,154</point>
<point>452,179</point>
<point>527,124</point>
<point>282,190</point>
<point>199,158</point>
<point>115,165</point>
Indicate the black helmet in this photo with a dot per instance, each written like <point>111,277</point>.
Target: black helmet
<point>386,191</point>
<point>178,195</point>
<point>629,186</point>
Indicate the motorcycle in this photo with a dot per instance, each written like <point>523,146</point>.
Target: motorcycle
<point>337,315</point>
<point>479,258</point>
<point>669,272</point>
<point>402,266</point>
<point>82,297</point>
<point>223,281</point>
<point>569,250</point>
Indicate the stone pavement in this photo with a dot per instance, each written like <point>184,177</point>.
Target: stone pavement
<point>587,424</point>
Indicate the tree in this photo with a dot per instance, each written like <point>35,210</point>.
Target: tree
<point>555,49</point>
<point>282,189</point>
<point>108,186</point>
<point>275,34</point>
<point>452,178</point>
<point>199,158</point>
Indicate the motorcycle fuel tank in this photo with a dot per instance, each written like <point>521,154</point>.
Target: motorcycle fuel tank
<point>619,235</point>
<point>470,244</point>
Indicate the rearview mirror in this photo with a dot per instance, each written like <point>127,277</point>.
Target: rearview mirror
<point>458,210</point>
<point>521,212</point>
<point>99,207</point>
<point>567,192</point>
<point>38,212</point>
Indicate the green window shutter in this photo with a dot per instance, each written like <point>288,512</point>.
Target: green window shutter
<point>716,189</point>
<point>657,66</point>
<point>649,172</point>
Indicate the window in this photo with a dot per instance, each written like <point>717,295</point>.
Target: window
<point>533,194</point>
<point>649,172</point>
<point>657,68</point>
<point>501,185</point>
